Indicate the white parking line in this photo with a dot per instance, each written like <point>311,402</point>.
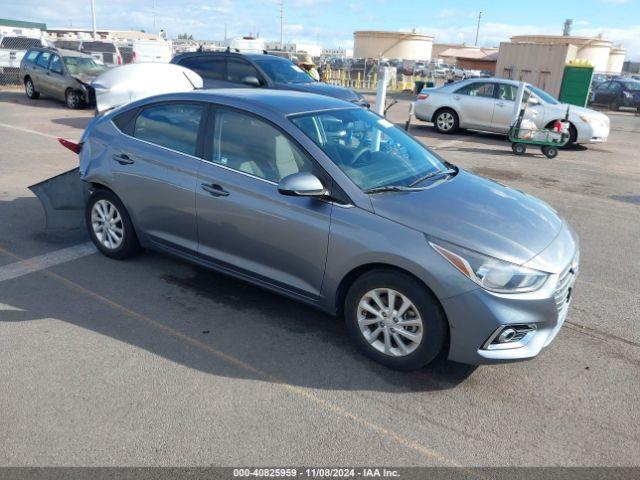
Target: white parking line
<point>30,265</point>
<point>26,130</point>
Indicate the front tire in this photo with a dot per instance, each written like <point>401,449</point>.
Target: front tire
<point>109,225</point>
<point>395,320</point>
<point>446,121</point>
<point>73,99</point>
<point>30,89</point>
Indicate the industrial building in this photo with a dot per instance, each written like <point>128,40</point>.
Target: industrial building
<point>403,45</point>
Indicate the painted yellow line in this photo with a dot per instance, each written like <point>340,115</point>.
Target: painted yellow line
<point>328,405</point>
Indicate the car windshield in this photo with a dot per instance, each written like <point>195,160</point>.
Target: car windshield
<point>542,95</point>
<point>369,149</point>
<point>281,70</point>
<point>83,65</point>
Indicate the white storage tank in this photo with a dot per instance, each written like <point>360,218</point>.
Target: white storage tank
<point>616,60</point>
<point>400,45</point>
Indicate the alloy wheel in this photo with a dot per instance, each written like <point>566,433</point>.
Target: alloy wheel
<point>29,87</point>
<point>445,121</point>
<point>107,224</point>
<point>390,322</point>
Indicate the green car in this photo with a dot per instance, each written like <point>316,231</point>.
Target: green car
<point>62,74</point>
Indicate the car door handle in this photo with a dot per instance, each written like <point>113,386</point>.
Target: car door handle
<point>500,104</point>
<point>456,97</point>
<point>122,159</point>
<point>215,190</point>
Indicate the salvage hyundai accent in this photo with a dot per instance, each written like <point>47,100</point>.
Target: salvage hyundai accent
<point>334,206</point>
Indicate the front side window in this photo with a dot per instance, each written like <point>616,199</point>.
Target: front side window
<point>209,67</point>
<point>477,89</point>
<point>43,59</point>
<point>507,92</point>
<point>173,126</point>
<point>239,70</point>
<point>370,150</point>
<point>249,145</point>
<point>56,64</point>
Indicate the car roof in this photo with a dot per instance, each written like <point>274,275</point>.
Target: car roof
<point>280,102</point>
<point>250,56</point>
<point>62,52</point>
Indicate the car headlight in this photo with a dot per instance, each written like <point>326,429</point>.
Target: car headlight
<point>490,273</point>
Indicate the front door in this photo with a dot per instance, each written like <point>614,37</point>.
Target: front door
<point>155,172</point>
<point>475,103</point>
<point>56,78</point>
<point>244,224</point>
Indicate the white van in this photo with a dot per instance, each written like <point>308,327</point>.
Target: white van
<point>151,51</point>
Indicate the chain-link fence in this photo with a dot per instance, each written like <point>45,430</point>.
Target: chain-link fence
<point>12,49</point>
<point>369,81</point>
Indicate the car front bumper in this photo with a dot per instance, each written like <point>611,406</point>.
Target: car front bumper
<point>477,318</point>
<point>593,132</point>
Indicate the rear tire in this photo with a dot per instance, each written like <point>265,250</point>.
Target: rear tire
<point>401,339</point>
<point>109,225</point>
<point>446,121</point>
<point>30,89</point>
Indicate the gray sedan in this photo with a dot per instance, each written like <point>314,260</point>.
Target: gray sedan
<point>62,74</point>
<point>332,205</point>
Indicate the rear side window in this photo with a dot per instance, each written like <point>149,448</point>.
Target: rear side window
<point>31,55</point>
<point>211,67</point>
<point>43,59</point>
<point>173,126</point>
<point>56,64</point>
<point>238,70</point>
<point>19,43</point>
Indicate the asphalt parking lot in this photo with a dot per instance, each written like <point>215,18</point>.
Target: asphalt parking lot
<point>157,362</point>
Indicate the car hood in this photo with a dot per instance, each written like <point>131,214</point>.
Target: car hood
<point>84,78</point>
<point>476,213</point>
<point>574,110</point>
<point>322,89</point>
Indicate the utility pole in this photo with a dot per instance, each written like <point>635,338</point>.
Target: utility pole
<point>93,19</point>
<point>154,16</point>
<point>478,28</point>
<point>281,24</point>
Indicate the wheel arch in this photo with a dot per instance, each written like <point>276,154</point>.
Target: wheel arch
<point>447,107</point>
<point>573,130</point>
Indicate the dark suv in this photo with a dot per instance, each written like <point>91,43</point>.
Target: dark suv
<point>235,70</point>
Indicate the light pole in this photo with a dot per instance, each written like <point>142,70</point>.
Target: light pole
<point>281,24</point>
<point>478,28</point>
<point>93,19</point>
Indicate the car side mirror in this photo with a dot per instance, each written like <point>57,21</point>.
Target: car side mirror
<point>302,184</point>
<point>251,81</point>
<point>533,101</point>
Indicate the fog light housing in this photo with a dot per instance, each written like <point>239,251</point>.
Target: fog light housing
<point>510,336</point>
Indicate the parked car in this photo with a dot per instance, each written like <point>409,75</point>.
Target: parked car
<point>617,93</point>
<point>104,51</point>
<point>488,104</point>
<point>231,69</point>
<point>63,74</point>
<point>329,204</point>
<point>12,50</point>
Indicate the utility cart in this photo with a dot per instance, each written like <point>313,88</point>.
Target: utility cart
<point>523,132</point>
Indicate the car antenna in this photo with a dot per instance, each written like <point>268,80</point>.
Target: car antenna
<point>189,80</point>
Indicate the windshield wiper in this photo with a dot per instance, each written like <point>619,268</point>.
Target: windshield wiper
<point>431,175</point>
<point>392,188</point>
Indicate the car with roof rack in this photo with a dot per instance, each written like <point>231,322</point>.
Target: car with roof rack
<point>232,69</point>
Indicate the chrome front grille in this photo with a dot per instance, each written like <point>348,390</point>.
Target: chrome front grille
<point>566,280</point>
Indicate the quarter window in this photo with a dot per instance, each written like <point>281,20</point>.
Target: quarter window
<point>244,143</point>
<point>477,89</point>
<point>173,126</point>
<point>43,59</point>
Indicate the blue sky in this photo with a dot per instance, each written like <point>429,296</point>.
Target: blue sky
<point>332,22</point>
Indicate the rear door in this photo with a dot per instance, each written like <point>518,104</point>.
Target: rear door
<point>155,163</point>
<point>40,71</point>
<point>602,94</point>
<point>244,223</point>
<point>475,104</point>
